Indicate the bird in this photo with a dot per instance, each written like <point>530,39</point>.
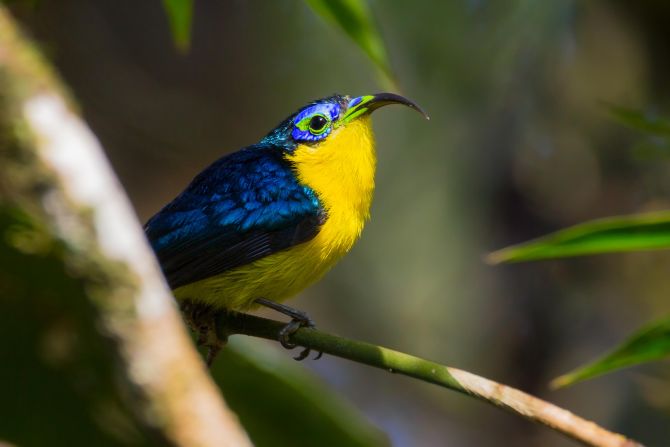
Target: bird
<point>260,224</point>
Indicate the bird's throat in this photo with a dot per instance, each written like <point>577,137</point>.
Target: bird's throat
<point>341,172</point>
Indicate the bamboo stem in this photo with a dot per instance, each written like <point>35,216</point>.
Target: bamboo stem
<point>503,396</point>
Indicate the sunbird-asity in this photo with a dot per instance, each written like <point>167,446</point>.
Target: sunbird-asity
<point>259,225</point>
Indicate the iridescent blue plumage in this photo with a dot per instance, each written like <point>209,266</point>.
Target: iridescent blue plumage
<point>244,206</point>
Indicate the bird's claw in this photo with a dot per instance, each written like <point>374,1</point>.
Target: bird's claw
<point>202,320</point>
<point>298,319</point>
<point>208,338</point>
<point>290,329</point>
<point>286,333</point>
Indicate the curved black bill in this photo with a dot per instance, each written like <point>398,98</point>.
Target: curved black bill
<point>365,104</point>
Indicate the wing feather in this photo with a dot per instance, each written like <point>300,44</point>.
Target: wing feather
<point>242,208</point>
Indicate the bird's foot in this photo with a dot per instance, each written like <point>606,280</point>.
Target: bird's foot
<point>201,318</point>
<point>299,319</point>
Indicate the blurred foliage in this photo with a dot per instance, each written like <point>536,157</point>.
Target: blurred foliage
<point>609,235</point>
<point>280,403</point>
<point>656,129</point>
<point>180,18</point>
<point>356,20</point>
<point>352,16</point>
<point>638,120</point>
<point>59,389</point>
<point>649,343</point>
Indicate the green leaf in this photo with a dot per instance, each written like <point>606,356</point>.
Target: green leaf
<point>641,121</point>
<point>649,231</point>
<point>649,343</point>
<point>280,403</point>
<point>651,149</point>
<point>355,19</point>
<point>180,17</point>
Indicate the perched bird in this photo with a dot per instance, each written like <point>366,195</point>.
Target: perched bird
<point>261,224</point>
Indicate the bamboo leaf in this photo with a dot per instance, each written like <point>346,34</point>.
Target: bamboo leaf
<point>649,343</point>
<point>650,231</point>
<point>180,17</point>
<point>640,120</point>
<point>355,19</point>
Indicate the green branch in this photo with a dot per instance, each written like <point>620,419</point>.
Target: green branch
<point>510,399</point>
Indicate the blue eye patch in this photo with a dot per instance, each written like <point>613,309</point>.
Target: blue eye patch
<point>315,122</point>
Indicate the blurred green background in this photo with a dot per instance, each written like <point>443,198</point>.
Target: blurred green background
<point>520,143</point>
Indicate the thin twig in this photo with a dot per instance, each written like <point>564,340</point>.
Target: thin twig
<point>503,396</point>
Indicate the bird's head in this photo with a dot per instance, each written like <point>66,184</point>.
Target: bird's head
<point>330,146</point>
<point>324,119</point>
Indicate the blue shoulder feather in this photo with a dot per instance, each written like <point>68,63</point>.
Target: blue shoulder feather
<point>243,207</point>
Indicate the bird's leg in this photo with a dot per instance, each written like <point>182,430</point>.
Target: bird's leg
<point>298,319</point>
<point>201,318</point>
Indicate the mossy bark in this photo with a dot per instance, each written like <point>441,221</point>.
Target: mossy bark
<point>92,349</point>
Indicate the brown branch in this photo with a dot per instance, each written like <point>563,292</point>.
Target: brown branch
<point>503,396</point>
<point>106,314</point>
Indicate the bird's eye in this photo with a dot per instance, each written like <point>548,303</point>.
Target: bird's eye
<point>318,124</point>
<point>314,123</point>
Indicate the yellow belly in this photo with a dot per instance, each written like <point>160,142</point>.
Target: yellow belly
<point>341,172</point>
<point>276,277</point>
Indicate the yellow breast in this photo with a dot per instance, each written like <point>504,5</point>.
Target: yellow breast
<point>341,171</point>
